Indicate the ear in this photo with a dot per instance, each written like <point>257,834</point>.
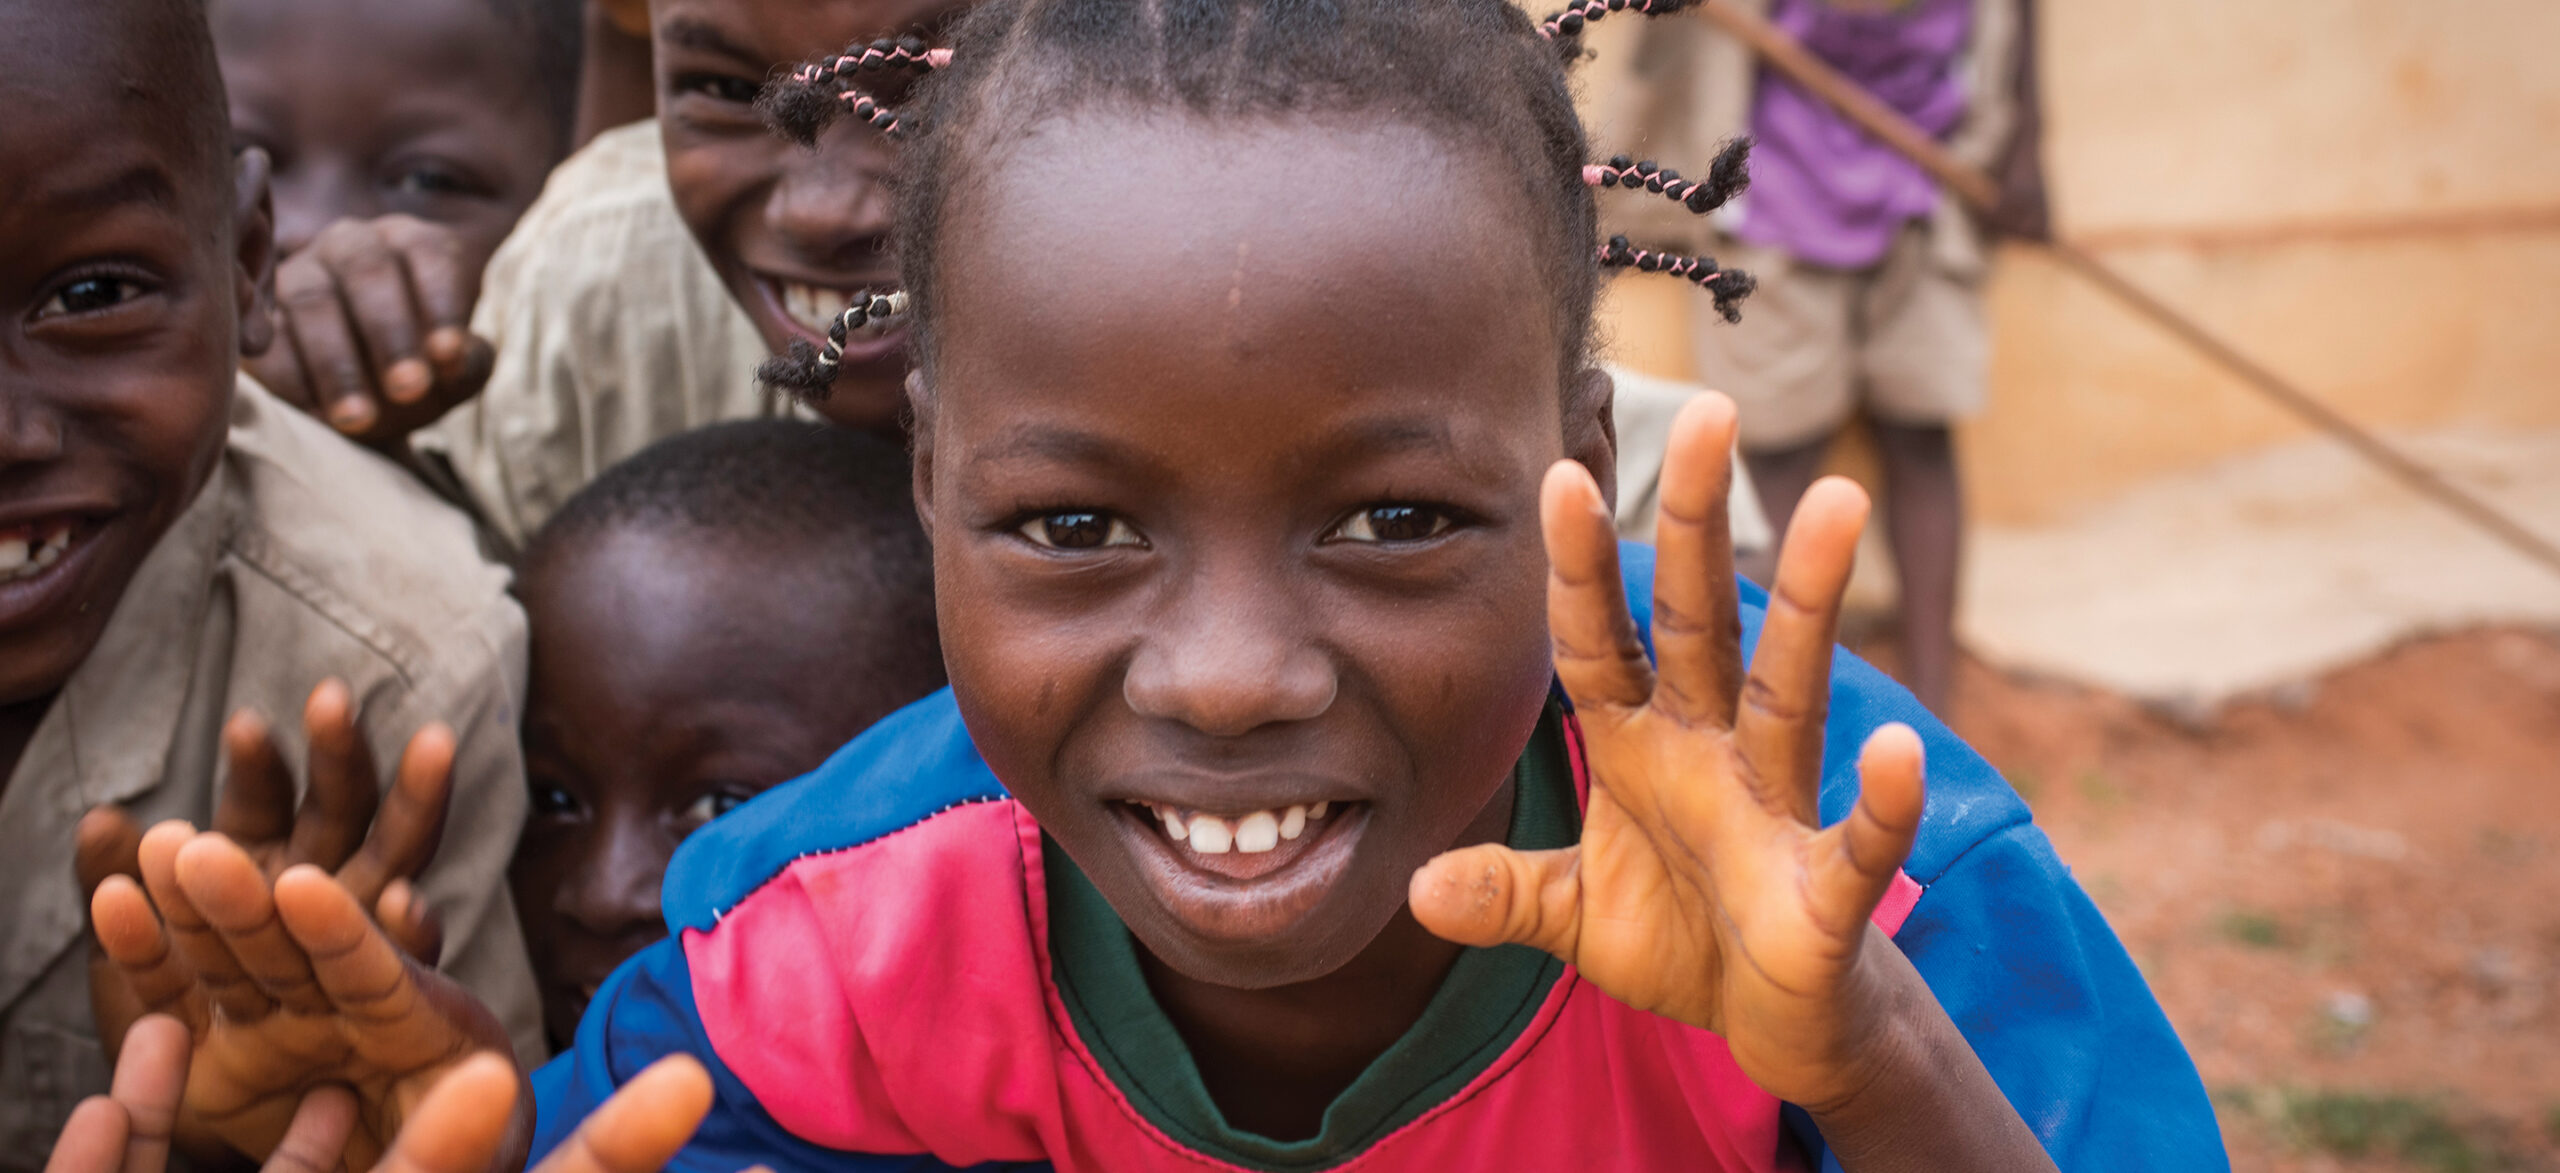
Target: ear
<point>1591,428</point>
<point>920,410</point>
<point>253,216</point>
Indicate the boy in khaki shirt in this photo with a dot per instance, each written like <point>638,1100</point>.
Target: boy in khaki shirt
<point>173,549</point>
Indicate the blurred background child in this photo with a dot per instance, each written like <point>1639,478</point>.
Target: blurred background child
<point>711,617</point>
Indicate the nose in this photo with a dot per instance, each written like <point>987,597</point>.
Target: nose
<point>1228,654</point>
<point>831,205</point>
<point>313,197</point>
<point>30,432</point>
<point>613,889</point>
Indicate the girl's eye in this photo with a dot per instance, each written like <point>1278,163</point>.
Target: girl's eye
<point>553,802</point>
<point>88,295</point>
<point>713,805</point>
<point>1393,523</point>
<point>718,87</point>
<point>1080,531</point>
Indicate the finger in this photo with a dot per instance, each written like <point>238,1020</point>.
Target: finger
<point>1854,861</point>
<point>375,286</point>
<point>316,1140</point>
<point>463,363</point>
<point>410,923</point>
<point>1490,895</point>
<point>460,1124</point>
<point>1787,697</point>
<point>133,938</point>
<point>93,1140</point>
<point>1697,630</point>
<point>109,843</point>
<point>356,966</point>
<point>332,359</point>
<point>150,1081</point>
<point>405,834</point>
<point>643,1126</point>
<point>338,806</point>
<point>232,894</point>
<point>1598,657</point>
<point>197,943</point>
<point>257,803</point>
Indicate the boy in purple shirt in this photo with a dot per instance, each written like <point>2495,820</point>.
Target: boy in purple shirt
<point>1870,277</point>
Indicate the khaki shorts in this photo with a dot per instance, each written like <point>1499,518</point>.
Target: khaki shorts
<point>1905,339</point>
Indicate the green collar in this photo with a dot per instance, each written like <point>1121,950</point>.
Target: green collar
<point>1489,998</point>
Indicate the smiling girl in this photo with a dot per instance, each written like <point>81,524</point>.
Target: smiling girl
<point>1308,795</point>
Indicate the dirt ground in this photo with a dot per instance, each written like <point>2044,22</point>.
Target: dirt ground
<point>2346,893</point>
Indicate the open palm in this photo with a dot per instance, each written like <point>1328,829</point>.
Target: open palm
<point>284,987</point>
<point>1704,888</point>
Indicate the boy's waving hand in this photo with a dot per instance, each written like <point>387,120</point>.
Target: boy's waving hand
<point>1704,888</point>
<point>284,988</point>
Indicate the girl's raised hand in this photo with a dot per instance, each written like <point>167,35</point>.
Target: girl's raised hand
<point>1705,888</point>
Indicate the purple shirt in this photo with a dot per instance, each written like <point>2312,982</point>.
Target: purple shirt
<point>1822,189</point>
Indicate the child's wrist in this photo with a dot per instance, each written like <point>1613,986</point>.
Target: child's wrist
<point>1881,1043</point>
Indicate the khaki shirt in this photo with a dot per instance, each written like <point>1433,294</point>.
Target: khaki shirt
<point>612,332</point>
<point>303,557</point>
<point>1643,411</point>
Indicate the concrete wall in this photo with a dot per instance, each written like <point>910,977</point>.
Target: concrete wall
<point>2364,195</point>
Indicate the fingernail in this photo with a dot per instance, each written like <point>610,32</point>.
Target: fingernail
<point>448,345</point>
<point>408,380</point>
<point>351,415</point>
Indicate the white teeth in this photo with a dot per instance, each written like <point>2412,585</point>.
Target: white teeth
<point>1293,823</point>
<point>25,557</point>
<point>1257,833</point>
<point>1210,835</point>
<point>1317,811</point>
<point>1174,828</point>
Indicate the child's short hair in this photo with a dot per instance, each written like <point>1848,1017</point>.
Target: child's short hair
<point>824,491</point>
<point>1479,71</point>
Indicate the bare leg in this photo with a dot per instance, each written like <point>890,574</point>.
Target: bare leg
<point>1781,475</point>
<point>1924,520</point>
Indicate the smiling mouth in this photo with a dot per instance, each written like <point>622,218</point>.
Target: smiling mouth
<point>1267,851</point>
<point>815,308</point>
<point>27,551</point>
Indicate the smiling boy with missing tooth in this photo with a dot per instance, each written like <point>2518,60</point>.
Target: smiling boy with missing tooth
<point>173,548</point>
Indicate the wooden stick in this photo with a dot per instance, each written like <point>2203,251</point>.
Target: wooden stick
<point>1981,194</point>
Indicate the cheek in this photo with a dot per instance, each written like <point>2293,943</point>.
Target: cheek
<point>1022,677</point>
<point>719,187</point>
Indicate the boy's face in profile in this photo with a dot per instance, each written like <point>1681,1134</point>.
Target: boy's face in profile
<point>429,108</point>
<point>675,675</point>
<point>796,234</point>
<point>132,250</point>
<point>1234,505</point>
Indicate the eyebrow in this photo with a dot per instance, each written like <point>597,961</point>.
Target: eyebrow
<point>686,33</point>
<point>142,183</point>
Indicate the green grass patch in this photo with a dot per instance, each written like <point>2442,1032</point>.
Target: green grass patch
<point>2415,1129</point>
<point>2256,930</point>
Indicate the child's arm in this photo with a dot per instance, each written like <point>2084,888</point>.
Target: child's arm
<point>1703,888</point>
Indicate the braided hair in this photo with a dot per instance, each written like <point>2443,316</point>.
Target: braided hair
<point>1478,71</point>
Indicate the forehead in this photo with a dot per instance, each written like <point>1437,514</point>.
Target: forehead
<point>1153,247</point>
<point>108,90</point>
<point>769,32</point>
<point>445,37</point>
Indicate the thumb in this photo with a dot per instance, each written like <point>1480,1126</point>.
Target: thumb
<point>1491,895</point>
